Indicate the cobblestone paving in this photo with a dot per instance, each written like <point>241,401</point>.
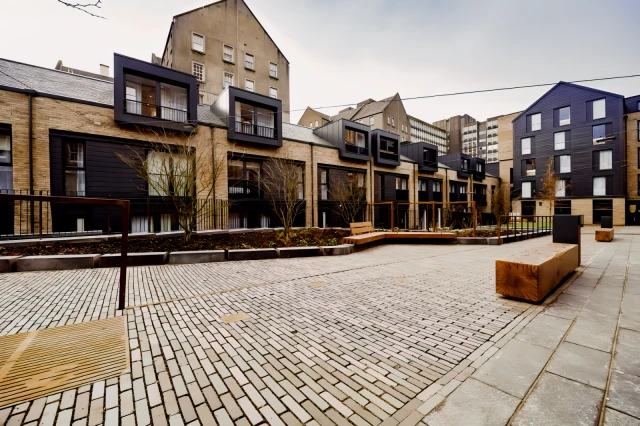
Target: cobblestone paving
<point>333,340</point>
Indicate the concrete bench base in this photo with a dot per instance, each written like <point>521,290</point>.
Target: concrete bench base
<point>187,257</point>
<point>57,263</point>
<point>604,234</point>
<point>8,263</point>
<point>531,275</point>
<point>134,259</point>
<point>288,252</point>
<point>340,250</point>
<point>252,254</point>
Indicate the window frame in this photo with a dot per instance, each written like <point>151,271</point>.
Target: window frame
<point>564,141</point>
<point>531,122</point>
<point>530,146</point>
<point>530,192</point>
<point>276,92</point>
<point>276,70</point>
<point>560,157</point>
<point>253,62</point>
<point>193,66</point>
<point>66,166</point>
<point>324,185</point>
<point>224,74</point>
<point>593,186</point>
<point>6,131</point>
<point>560,124</point>
<point>593,108</point>
<point>193,35</point>
<point>233,54</point>
<point>610,151</point>
<point>602,139</point>
<point>253,85</point>
<point>372,121</point>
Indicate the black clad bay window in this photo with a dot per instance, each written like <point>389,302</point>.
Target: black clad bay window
<point>355,141</point>
<point>253,120</point>
<point>154,99</point>
<point>6,168</point>
<point>74,168</point>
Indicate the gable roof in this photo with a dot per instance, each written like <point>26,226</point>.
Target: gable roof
<point>322,115</point>
<point>217,2</point>
<point>564,83</point>
<point>365,109</point>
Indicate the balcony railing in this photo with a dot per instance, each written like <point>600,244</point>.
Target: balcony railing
<point>155,111</point>
<point>354,149</point>
<point>254,129</point>
<point>388,155</point>
<point>241,188</point>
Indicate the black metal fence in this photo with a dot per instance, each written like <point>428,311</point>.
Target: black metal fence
<point>517,228</point>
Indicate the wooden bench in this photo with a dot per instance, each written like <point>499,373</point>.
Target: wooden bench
<point>362,233</point>
<point>604,234</point>
<point>532,274</point>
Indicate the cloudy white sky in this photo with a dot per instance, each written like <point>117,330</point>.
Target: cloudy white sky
<point>346,51</point>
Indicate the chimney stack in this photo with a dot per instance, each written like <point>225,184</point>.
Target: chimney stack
<point>104,70</point>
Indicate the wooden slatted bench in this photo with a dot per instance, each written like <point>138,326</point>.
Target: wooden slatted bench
<point>420,235</point>
<point>532,274</point>
<point>362,233</point>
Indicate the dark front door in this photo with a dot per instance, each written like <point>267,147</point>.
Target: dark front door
<point>633,213</point>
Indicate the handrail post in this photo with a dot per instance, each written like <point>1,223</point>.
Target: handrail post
<point>123,255</point>
<point>475,218</point>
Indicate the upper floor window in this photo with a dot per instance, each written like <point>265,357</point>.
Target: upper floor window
<point>479,167</point>
<point>6,168</point>
<point>197,42</point>
<point>599,133</point>
<point>638,125</point>
<point>228,80</point>
<point>561,187</point>
<point>316,123</point>
<point>244,178</point>
<point>464,164</point>
<point>436,186</point>
<point>599,109</point>
<point>273,92</point>
<point>198,71</point>
<point>565,164</point>
<point>254,120</point>
<point>564,116</point>
<point>422,185</point>
<point>388,146</point>
<point>393,122</point>
<point>273,70</point>
<point>141,99</point>
<point>606,159</point>
<point>388,119</point>
<point>324,184</point>
<point>355,138</point>
<point>371,120</point>
<point>74,169</point>
<point>227,53</point>
<point>600,185</point>
<point>527,189</point>
<point>428,155</point>
<point>463,189</point>
<point>248,85</point>
<point>248,61</point>
<point>525,145</point>
<point>559,141</point>
<point>401,184</point>
<point>535,122</point>
<point>357,178</point>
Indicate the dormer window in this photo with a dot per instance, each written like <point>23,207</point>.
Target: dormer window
<point>141,99</point>
<point>388,148</point>
<point>429,156</point>
<point>464,164</point>
<point>355,141</point>
<point>252,120</point>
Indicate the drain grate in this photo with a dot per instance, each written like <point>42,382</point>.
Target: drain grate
<point>48,361</point>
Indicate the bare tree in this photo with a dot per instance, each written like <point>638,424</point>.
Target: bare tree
<point>281,181</point>
<point>500,200</point>
<point>549,184</point>
<point>350,197</point>
<point>85,7</point>
<point>183,171</point>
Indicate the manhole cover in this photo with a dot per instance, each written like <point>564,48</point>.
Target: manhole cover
<point>48,361</point>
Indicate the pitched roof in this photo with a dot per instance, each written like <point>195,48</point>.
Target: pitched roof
<point>364,111</point>
<point>297,133</point>
<point>322,115</point>
<point>347,115</point>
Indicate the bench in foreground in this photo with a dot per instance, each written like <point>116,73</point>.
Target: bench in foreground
<point>531,275</point>
<point>604,234</point>
<point>362,233</point>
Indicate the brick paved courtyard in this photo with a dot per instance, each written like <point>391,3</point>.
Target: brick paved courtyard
<point>362,339</point>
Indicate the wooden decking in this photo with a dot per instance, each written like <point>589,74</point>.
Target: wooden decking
<point>47,361</point>
<point>375,236</point>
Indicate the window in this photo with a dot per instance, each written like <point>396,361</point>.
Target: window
<point>227,53</point>
<point>311,124</point>
<point>638,125</point>
<point>316,123</point>
<point>197,42</point>
<point>393,122</point>
<point>273,92</point>
<point>638,184</point>
<point>200,98</point>
<point>606,159</point>
<point>173,102</point>
<point>422,185</point>
<point>401,184</point>
<point>354,138</point>
<point>388,119</point>
<point>228,80</point>
<point>74,173</point>
<point>526,189</point>
<point>526,146</point>
<point>198,71</point>
<point>254,120</point>
<point>564,116</point>
<point>324,184</point>
<point>248,62</point>
<point>248,85</point>
<point>559,141</point>
<point>140,94</point>
<point>167,174</point>
<point>388,146</point>
<point>600,185</point>
<point>536,122</point>
<point>463,189</point>
<point>599,133</point>
<point>372,121</point>
<point>561,188</point>
<point>244,178</point>
<point>530,167</point>
<point>6,168</point>
<point>273,70</point>
<point>599,109</point>
<point>300,183</point>
<point>436,186</point>
<point>565,164</point>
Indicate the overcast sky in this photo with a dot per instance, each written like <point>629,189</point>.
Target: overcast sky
<point>346,51</point>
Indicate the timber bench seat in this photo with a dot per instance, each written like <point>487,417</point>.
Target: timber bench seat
<point>532,274</point>
<point>604,234</point>
<point>362,233</point>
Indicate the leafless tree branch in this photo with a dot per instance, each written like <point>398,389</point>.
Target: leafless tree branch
<point>85,7</point>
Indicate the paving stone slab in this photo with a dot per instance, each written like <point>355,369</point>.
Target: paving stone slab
<point>514,368</point>
<point>624,393</point>
<point>561,310</point>
<point>630,317</point>
<point>202,256</point>
<point>582,364</point>
<point>627,357</point>
<point>593,330</point>
<point>616,418</point>
<point>559,401</point>
<point>544,330</point>
<point>473,403</point>
<point>57,263</point>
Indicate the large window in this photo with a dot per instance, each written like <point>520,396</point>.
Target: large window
<point>254,120</point>
<point>6,168</point>
<point>273,70</point>
<point>74,169</point>
<point>355,141</point>
<point>141,99</point>
<point>436,186</point>
<point>606,159</point>
<point>526,189</point>
<point>561,187</point>
<point>599,133</point>
<point>565,164</point>
<point>324,184</point>
<point>169,173</point>
<point>244,178</point>
<point>227,53</point>
<point>422,185</point>
<point>401,184</point>
<point>536,122</point>
<point>197,42</point>
<point>388,147</point>
<point>599,110</point>
<point>564,116</point>
<point>525,144</point>
<point>600,185</point>
<point>173,101</point>
<point>249,62</point>
<point>559,140</point>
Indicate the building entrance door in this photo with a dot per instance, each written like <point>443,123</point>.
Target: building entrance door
<point>632,213</point>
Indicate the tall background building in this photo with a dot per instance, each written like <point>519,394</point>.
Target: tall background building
<point>421,131</point>
<point>453,126</point>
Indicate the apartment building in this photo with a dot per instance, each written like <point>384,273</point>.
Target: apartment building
<point>421,131</point>
<point>470,135</point>
<point>79,125</point>
<point>582,131</point>
<point>454,128</point>
<point>480,139</point>
<point>632,141</point>
<point>223,44</point>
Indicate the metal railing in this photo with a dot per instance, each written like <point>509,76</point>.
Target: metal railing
<point>254,129</point>
<point>124,204</point>
<point>517,228</point>
<point>156,111</point>
<point>355,149</point>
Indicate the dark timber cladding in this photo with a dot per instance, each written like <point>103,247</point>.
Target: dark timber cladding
<point>250,117</point>
<point>352,139</point>
<point>423,153</point>
<point>583,139</point>
<point>459,162</point>
<point>148,94</point>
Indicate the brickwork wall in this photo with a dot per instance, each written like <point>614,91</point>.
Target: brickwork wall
<point>633,144</point>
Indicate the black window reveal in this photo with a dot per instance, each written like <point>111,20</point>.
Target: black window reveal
<point>74,168</point>
<point>6,165</point>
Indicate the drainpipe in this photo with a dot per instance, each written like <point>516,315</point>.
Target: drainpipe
<point>31,186</point>
<point>215,174</point>
<point>313,209</point>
